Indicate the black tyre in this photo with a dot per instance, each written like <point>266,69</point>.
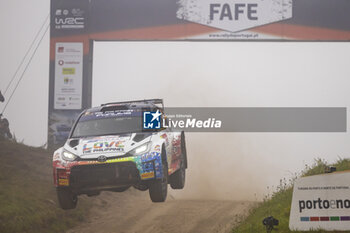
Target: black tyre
<point>158,189</point>
<point>177,180</point>
<point>183,149</point>
<point>66,198</point>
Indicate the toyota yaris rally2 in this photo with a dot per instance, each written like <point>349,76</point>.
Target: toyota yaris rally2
<point>109,149</point>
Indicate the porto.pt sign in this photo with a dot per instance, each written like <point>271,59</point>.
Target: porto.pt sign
<point>321,202</point>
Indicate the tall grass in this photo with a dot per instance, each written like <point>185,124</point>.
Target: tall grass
<point>28,200</point>
<point>279,202</point>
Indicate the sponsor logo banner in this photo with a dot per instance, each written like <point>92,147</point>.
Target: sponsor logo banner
<point>104,144</point>
<point>68,76</point>
<point>66,18</point>
<point>63,182</point>
<point>147,175</point>
<point>234,15</point>
<point>321,202</point>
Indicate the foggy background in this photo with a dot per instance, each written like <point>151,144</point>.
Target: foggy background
<point>198,74</point>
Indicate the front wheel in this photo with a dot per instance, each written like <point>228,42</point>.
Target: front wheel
<point>158,189</point>
<point>66,198</point>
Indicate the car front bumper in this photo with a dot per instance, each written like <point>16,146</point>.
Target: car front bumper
<point>86,174</point>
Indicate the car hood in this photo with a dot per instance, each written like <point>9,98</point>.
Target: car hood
<point>109,146</point>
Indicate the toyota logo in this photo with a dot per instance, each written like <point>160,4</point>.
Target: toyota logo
<point>102,158</point>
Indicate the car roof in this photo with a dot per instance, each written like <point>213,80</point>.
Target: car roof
<point>123,107</point>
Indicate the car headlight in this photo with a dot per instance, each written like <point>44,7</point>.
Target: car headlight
<point>66,155</point>
<point>141,149</point>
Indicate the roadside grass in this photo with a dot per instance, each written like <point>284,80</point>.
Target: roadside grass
<point>28,200</point>
<point>278,204</point>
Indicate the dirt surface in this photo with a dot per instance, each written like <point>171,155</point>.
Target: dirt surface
<point>133,211</point>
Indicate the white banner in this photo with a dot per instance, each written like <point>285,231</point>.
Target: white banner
<point>234,15</point>
<point>68,76</point>
<point>321,202</point>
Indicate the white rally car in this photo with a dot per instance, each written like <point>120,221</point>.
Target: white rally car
<point>108,149</point>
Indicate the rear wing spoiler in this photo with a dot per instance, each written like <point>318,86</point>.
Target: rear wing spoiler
<point>157,102</point>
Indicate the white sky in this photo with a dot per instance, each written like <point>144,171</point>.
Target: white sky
<point>194,74</point>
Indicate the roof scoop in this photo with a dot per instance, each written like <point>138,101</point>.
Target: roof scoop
<point>114,108</point>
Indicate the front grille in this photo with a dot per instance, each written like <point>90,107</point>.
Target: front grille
<point>96,175</point>
<point>111,157</point>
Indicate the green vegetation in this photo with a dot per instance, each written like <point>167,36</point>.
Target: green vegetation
<point>278,204</point>
<point>28,200</point>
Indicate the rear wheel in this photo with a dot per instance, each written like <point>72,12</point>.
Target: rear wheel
<point>66,198</point>
<point>158,189</point>
<point>177,180</point>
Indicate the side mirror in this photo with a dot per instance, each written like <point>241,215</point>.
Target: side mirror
<point>2,98</point>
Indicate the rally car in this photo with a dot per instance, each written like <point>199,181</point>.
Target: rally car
<point>111,148</point>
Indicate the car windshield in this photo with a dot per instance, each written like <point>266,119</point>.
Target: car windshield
<point>98,125</point>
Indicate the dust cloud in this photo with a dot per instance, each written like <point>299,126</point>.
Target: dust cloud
<point>234,166</point>
<point>219,170</point>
